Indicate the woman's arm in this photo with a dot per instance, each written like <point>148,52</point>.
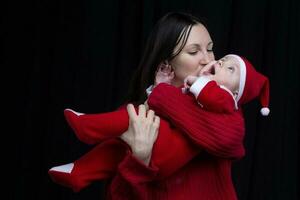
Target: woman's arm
<point>140,136</point>
<point>142,132</point>
<point>134,171</point>
<point>219,134</point>
<point>130,181</point>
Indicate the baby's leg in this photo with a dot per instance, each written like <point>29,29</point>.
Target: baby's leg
<point>172,149</point>
<point>98,164</point>
<point>94,128</point>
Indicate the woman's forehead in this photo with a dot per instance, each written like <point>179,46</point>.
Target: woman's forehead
<point>198,36</point>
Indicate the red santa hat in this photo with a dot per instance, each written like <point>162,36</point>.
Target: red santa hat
<point>252,84</point>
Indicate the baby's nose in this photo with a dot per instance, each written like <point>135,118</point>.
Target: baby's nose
<point>217,64</point>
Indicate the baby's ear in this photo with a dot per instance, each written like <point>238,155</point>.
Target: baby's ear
<point>165,67</point>
<point>235,94</point>
<point>164,74</point>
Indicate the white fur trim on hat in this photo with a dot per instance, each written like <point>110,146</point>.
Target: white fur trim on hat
<point>199,84</point>
<point>243,73</point>
<point>265,111</point>
<point>227,90</point>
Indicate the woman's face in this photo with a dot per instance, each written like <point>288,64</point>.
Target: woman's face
<point>196,53</point>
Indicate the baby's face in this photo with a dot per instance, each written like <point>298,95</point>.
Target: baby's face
<point>226,71</point>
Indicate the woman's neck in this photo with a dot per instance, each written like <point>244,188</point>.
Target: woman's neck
<point>176,82</point>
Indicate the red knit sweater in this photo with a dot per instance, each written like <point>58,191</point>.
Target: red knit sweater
<point>207,177</point>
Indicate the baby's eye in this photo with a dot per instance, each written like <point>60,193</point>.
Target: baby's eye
<point>231,69</point>
<point>220,62</point>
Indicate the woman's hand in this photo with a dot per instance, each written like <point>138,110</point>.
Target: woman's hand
<point>142,132</point>
<point>146,105</point>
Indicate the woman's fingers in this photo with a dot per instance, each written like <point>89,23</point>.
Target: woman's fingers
<point>131,112</point>
<point>156,121</point>
<point>156,126</point>
<point>150,115</point>
<point>142,132</point>
<point>146,105</point>
<point>127,137</point>
<point>142,111</point>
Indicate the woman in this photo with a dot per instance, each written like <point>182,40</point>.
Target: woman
<point>183,42</point>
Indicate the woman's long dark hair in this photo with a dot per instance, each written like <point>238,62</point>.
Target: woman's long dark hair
<point>170,30</point>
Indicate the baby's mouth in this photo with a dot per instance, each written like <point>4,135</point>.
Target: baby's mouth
<point>210,71</point>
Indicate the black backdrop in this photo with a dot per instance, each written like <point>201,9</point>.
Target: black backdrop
<point>80,54</point>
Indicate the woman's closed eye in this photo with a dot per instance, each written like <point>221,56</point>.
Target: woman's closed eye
<point>193,52</point>
<point>209,49</point>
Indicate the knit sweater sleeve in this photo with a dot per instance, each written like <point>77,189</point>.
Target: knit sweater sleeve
<point>134,171</point>
<point>130,181</point>
<point>220,134</point>
<point>213,97</point>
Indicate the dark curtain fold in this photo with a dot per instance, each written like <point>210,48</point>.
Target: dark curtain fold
<point>81,54</point>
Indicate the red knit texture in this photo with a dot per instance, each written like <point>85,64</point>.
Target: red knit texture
<point>215,99</point>
<point>219,134</point>
<point>171,151</point>
<point>98,164</point>
<point>94,128</point>
<point>204,178</point>
<point>207,176</point>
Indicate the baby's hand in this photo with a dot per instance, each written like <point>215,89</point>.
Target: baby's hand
<point>207,70</point>
<point>189,81</point>
<point>164,74</point>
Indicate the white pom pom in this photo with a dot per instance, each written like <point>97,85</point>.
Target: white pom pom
<point>265,111</point>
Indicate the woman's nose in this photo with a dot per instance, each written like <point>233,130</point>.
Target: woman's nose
<point>205,59</point>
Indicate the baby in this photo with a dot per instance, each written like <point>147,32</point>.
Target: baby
<point>221,87</point>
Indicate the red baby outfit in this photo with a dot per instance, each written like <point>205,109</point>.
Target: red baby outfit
<point>172,150</point>
<point>207,176</point>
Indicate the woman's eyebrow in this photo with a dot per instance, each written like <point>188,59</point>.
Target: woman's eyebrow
<point>193,45</point>
<point>198,45</point>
